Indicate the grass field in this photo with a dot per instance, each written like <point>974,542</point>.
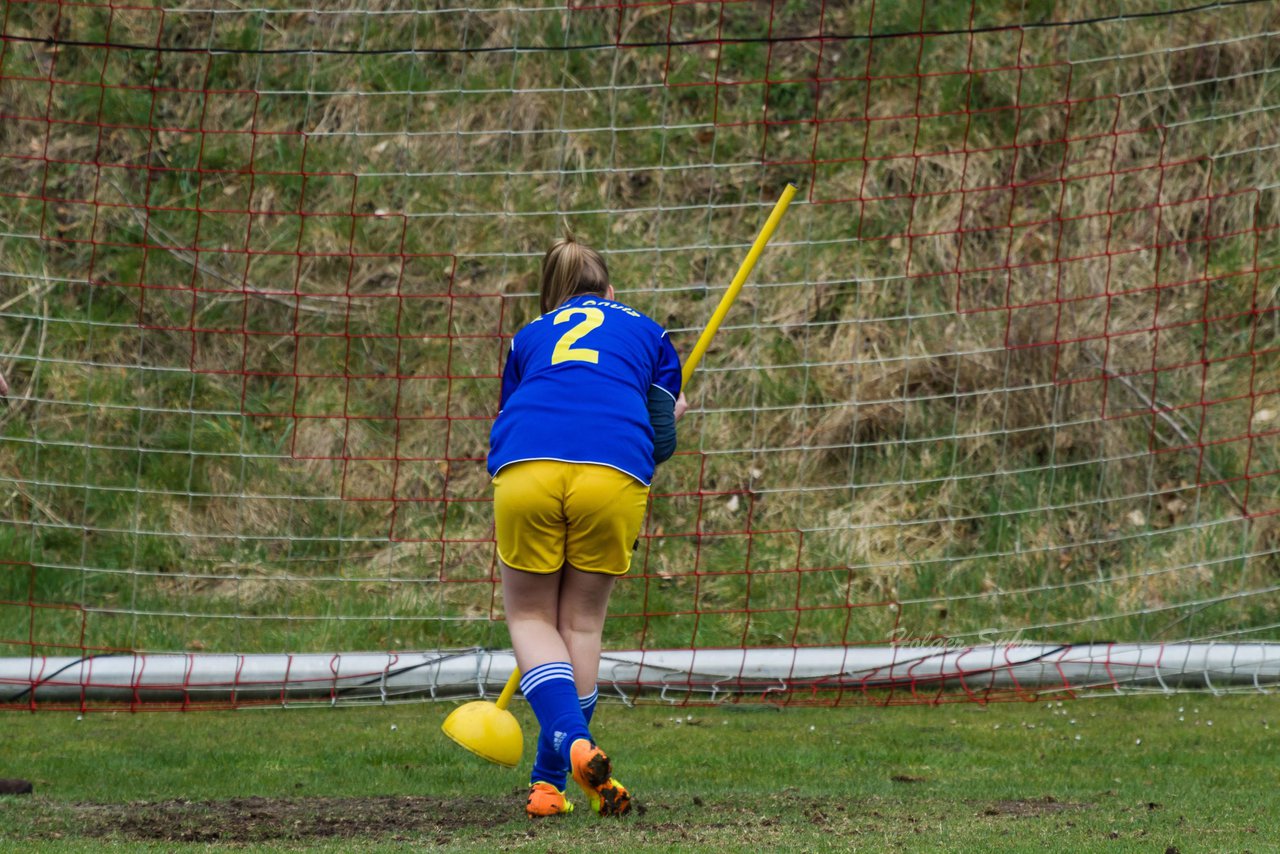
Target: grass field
<point>1191,773</point>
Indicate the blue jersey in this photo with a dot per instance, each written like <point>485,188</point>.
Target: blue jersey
<point>575,388</point>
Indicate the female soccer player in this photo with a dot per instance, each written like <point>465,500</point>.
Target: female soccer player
<point>590,398</point>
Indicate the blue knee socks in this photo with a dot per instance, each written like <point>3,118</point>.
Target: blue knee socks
<point>588,704</point>
<point>562,717</point>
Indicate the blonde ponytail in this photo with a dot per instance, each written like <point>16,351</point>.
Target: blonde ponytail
<point>569,268</point>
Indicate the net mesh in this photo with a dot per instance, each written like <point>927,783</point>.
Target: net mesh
<point>1007,373</point>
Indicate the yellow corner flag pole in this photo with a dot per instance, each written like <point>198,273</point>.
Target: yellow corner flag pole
<point>748,264</point>
<point>704,341</point>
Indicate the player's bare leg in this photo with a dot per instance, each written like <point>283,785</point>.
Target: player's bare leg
<point>584,602</point>
<point>532,602</point>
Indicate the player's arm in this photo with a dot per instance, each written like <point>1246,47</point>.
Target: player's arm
<point>662,415</point>
<point>666,401</point>
<point>510,376</point>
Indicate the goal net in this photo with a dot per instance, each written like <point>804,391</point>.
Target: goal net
<point>995,416</point>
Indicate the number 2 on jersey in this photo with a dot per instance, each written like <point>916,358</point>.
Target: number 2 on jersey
<point>565,351</point>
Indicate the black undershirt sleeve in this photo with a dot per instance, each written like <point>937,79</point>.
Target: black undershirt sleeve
<point>662,415</point>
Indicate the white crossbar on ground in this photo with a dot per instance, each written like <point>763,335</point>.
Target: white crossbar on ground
<point>712,675</point>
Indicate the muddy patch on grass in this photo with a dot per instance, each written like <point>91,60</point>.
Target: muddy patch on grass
<point>1032,807</point>
<point>772,822</point>
<point>432,820</point>
<point>266,819</point>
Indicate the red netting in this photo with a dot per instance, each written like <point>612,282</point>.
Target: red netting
<point>1007,374</point>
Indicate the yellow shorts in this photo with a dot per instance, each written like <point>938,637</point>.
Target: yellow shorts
<point>548,513</point>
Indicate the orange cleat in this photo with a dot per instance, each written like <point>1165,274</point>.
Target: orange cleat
<point>545,800</point>
<point>593,771</point>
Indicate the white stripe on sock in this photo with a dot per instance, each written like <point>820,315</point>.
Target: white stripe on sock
<point>545,672</point>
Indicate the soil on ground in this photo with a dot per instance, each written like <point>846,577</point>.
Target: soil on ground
<point>441,820</point>
<point>271,819</point>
